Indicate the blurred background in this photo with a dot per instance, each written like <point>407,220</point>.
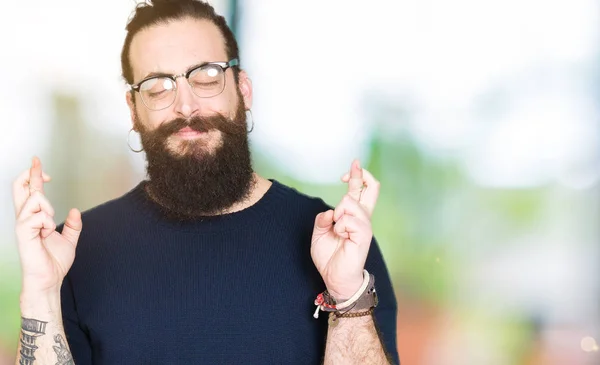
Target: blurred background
<point>481,119</point>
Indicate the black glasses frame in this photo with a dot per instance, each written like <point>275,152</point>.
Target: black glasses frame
<point>223,65</point>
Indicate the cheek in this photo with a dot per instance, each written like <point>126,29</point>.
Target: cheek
<point>224,105</point>
<point>150,120</point>
<point>233,100</point>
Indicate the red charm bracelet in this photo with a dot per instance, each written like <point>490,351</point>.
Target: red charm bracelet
<point>323,305</point>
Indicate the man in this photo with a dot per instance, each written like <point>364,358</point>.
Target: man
<point>205,262</point>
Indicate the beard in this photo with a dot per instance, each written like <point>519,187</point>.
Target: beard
<point>196,181</point>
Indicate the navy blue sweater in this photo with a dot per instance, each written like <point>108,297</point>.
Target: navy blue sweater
<point>231,289</point>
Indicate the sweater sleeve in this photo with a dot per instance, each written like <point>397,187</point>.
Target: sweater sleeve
<point>385,313</point>
<point>77,338</point>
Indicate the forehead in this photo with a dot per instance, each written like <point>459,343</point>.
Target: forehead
<point>175,46</point>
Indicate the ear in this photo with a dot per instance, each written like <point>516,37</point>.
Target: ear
<point>131,104</point>
<point>245,85</point>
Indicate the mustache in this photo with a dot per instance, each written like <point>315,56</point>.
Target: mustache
<point>201,124</point>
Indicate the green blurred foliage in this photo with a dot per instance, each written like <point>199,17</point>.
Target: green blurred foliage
<point>10,286</point>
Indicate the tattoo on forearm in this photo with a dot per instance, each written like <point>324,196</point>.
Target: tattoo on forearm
<point>62,351</point>
<point>31,329</point>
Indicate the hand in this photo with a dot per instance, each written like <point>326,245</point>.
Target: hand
<point>341,237</point>
<point>46,255</point>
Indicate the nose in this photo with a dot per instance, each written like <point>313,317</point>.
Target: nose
<point>186,103</point>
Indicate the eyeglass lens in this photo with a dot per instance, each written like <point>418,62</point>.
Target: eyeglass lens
<point>160,92</point>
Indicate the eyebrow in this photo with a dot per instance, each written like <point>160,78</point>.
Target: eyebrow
<point>164,74</point>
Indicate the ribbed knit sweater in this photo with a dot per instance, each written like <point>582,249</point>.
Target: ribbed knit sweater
<point>231,289</point>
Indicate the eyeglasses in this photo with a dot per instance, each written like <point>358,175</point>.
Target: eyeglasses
<point>206,80</point>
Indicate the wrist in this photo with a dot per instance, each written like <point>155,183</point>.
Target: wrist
<point>32,287</point>
<point>360,304</point>
<point>36,302</point>
<point>345,291</point>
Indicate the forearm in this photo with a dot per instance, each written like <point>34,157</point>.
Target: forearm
<point>354,341</point>
<point>42,337</point>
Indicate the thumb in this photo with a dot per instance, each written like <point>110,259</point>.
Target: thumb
<point>73,226</point>
<point>324,221</point>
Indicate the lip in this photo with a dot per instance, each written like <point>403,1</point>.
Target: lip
<point>188,132</point>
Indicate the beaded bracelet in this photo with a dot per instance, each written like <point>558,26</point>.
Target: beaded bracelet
<point>333,316</point>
